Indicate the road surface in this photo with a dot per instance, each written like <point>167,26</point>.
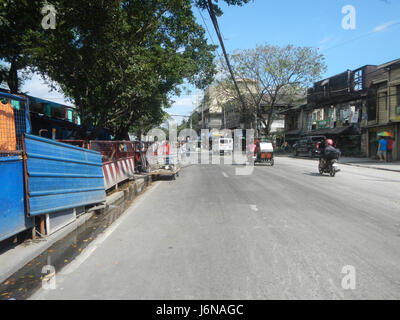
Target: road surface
<point>283,232</point>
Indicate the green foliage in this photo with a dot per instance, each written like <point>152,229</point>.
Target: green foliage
<point>119,61</point>
<point>271,75</point>
<point>192,121</point>
<point>17,19</point>
<point>203,4</point>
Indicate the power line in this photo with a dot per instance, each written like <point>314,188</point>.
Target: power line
<point>358,38</point>
<point>209,33</point>
<point>178,115</point>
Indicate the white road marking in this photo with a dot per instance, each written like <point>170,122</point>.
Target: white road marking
<point>225,175</point>
<point>253,207</point>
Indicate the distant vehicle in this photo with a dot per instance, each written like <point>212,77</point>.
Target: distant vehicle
<point>223,146</point>
<point>308,145</point>
<point>264,153</point>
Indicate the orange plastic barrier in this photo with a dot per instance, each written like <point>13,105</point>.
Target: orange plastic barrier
<point>8,140</point>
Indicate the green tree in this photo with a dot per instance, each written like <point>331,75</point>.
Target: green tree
<point>270,75</point>
<point>17,19</point>
<point>214,11</point>
<point>121,60</point>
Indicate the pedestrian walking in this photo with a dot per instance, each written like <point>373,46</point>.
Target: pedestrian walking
<point>382,149</point>
<point>166,150</point>
<point>285,146</point>
<point>389,150</point>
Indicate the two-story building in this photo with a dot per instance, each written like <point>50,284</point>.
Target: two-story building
<point>338,108</point>
<point>384,113</point>
<point>220,109</point>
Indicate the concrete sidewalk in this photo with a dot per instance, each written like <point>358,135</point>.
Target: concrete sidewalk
<point>371,163</point>
<point>358,162</point>
<point>17,257</point>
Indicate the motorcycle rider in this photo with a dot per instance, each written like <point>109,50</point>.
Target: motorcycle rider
<point>328,152</point>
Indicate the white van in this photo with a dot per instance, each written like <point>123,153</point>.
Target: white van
<point>223,146</point>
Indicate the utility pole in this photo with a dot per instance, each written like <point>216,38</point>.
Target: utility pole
<point>202,116</point>
<point>211,12</point>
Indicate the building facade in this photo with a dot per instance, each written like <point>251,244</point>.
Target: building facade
<point>384,114</point>
<point>351,108</point>
<point>220,109</point>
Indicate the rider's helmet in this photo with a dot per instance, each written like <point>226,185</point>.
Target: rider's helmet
<point>329,142</point>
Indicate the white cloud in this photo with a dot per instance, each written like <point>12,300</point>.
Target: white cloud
<point>183,106</point>
<point>324,43</point>
<point>324,40</point>
<point>384,26</point>
<point>37,88</point>
<point>187,102</point>
<point>184,102</point>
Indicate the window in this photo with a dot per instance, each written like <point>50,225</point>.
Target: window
<point>358,80</point>
<point>398,95</point>
<point>371,107</point>
<point>397,107</point>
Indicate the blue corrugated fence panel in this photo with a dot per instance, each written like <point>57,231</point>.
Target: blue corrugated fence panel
<point>61,176</point>
<point>12,207</point>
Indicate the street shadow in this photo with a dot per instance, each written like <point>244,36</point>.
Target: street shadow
<point>316,174</point>
<point>13,242</point>
<point>163,178</point>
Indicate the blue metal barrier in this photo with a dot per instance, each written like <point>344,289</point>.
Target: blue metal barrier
<point>61,176</point>
<point>13,217</point>
<point>12,206</point>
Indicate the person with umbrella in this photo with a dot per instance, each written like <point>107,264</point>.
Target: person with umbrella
<point>383,145</point>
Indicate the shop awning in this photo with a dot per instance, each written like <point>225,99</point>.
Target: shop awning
<point>328,131</point>
<point>293,132</point>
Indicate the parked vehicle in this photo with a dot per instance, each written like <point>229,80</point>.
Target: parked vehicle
<point>223,146</point>
<point>308,145</point>
<point>264,153</point>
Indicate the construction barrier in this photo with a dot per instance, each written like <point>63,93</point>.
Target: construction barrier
<point>13,124</point>
<point>60,176</point>
<point>118,159</point>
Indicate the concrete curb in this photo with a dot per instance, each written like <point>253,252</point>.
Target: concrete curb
<point>16,258</point>
<point>369,167</point>
<point>344,163</point>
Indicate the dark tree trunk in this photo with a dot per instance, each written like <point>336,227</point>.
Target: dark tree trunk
<point>12,79</point>
<point>269,122</point>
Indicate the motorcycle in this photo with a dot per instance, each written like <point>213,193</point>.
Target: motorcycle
<point>328,166</point>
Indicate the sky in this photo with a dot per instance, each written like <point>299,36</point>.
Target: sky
<point>315,23</point>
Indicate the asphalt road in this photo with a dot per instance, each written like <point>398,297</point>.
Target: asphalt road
<point>283,232</point>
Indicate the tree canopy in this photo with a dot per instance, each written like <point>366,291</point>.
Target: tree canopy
<point>269,75</point>
<point>205,4</point>
<point>17,18</point>
<point>118,61</point>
